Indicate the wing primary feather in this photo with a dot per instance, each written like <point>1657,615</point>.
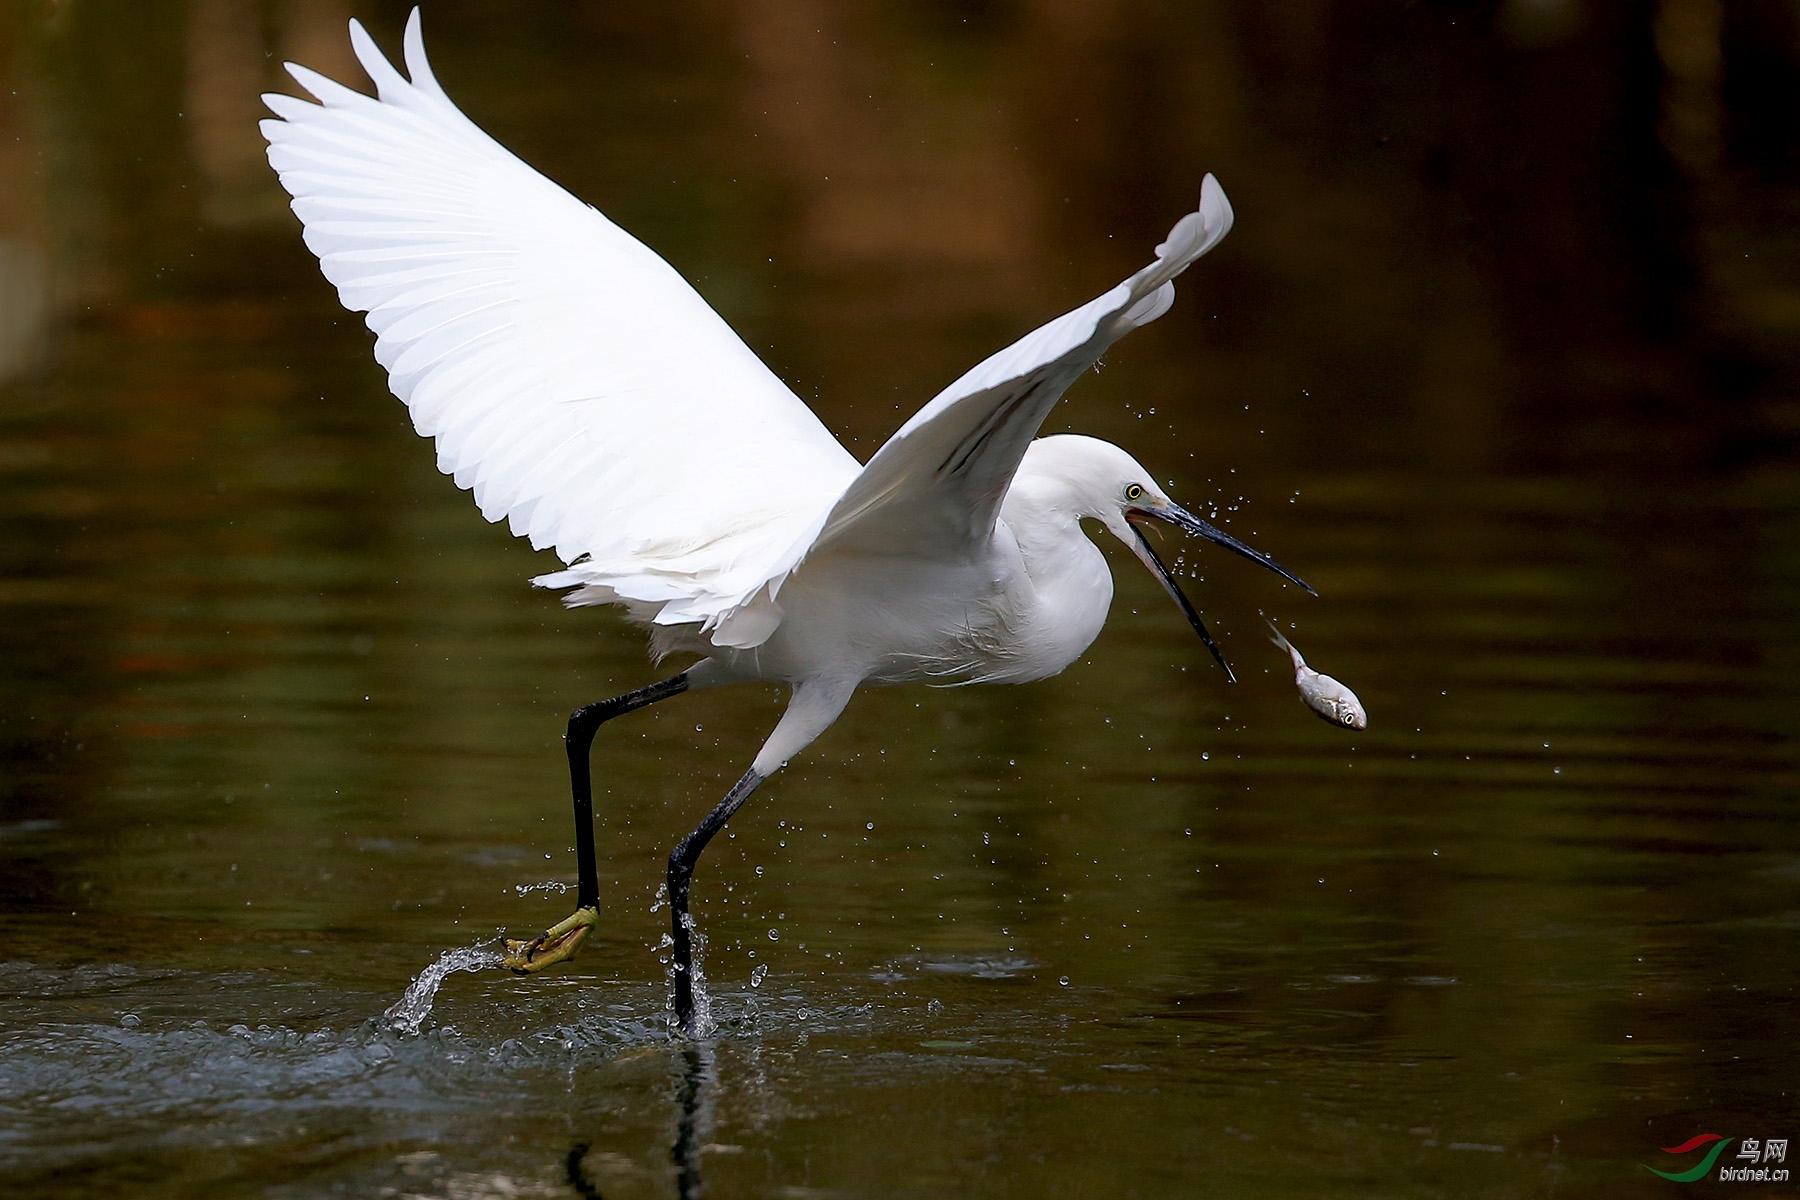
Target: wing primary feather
<point>390,87</point>
<point>412,45</point>
<point>936,486</point>
<point>567,374</point>
<point>328,92</point>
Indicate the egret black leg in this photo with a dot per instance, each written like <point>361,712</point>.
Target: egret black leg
<point>561,941</point>
<point>816,703</point>
<point>584,723</point>
<point>681,873</point>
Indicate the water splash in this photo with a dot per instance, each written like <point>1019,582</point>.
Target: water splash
<point>409,1012</point>
<point>703,1018</point>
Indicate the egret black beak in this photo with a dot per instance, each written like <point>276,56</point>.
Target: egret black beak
<point>1179,517</point>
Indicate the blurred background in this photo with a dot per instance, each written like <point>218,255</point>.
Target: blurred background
<point>1500,355</point>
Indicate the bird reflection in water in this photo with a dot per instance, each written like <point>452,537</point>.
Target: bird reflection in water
<point>577,1176</point>
<point>698,1069</point>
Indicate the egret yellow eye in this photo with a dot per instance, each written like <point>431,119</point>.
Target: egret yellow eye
<point>1135,492</point>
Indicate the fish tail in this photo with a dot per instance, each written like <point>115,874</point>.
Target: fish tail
<point>1275,634</point>
<point>1282,642</point>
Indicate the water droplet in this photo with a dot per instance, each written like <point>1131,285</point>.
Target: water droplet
<point>757,976</point>
<point>774,935</point>
<point>409,1012</point>
<point>1064,980</point>
<point>870,825</point>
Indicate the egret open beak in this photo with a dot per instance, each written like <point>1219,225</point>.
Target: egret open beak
<point>1182,519</point>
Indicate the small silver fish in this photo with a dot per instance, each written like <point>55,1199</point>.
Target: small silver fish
<point>1323,694</point>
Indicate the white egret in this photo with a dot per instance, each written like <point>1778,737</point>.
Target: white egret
<point>586,393</point>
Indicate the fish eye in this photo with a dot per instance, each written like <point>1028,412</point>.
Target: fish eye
<point>1135,492</point>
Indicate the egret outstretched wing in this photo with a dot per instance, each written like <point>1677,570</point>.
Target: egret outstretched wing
<point>935,487</point>
<point>570,377</point>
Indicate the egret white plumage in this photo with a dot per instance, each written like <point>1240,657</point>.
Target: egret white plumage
<point>586,393</point>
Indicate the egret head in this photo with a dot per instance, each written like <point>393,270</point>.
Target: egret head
<point>1101,481</point>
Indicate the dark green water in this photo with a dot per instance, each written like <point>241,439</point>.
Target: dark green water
<point>1500,356</point>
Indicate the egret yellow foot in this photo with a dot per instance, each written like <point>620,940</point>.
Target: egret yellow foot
<point>554,945</point>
